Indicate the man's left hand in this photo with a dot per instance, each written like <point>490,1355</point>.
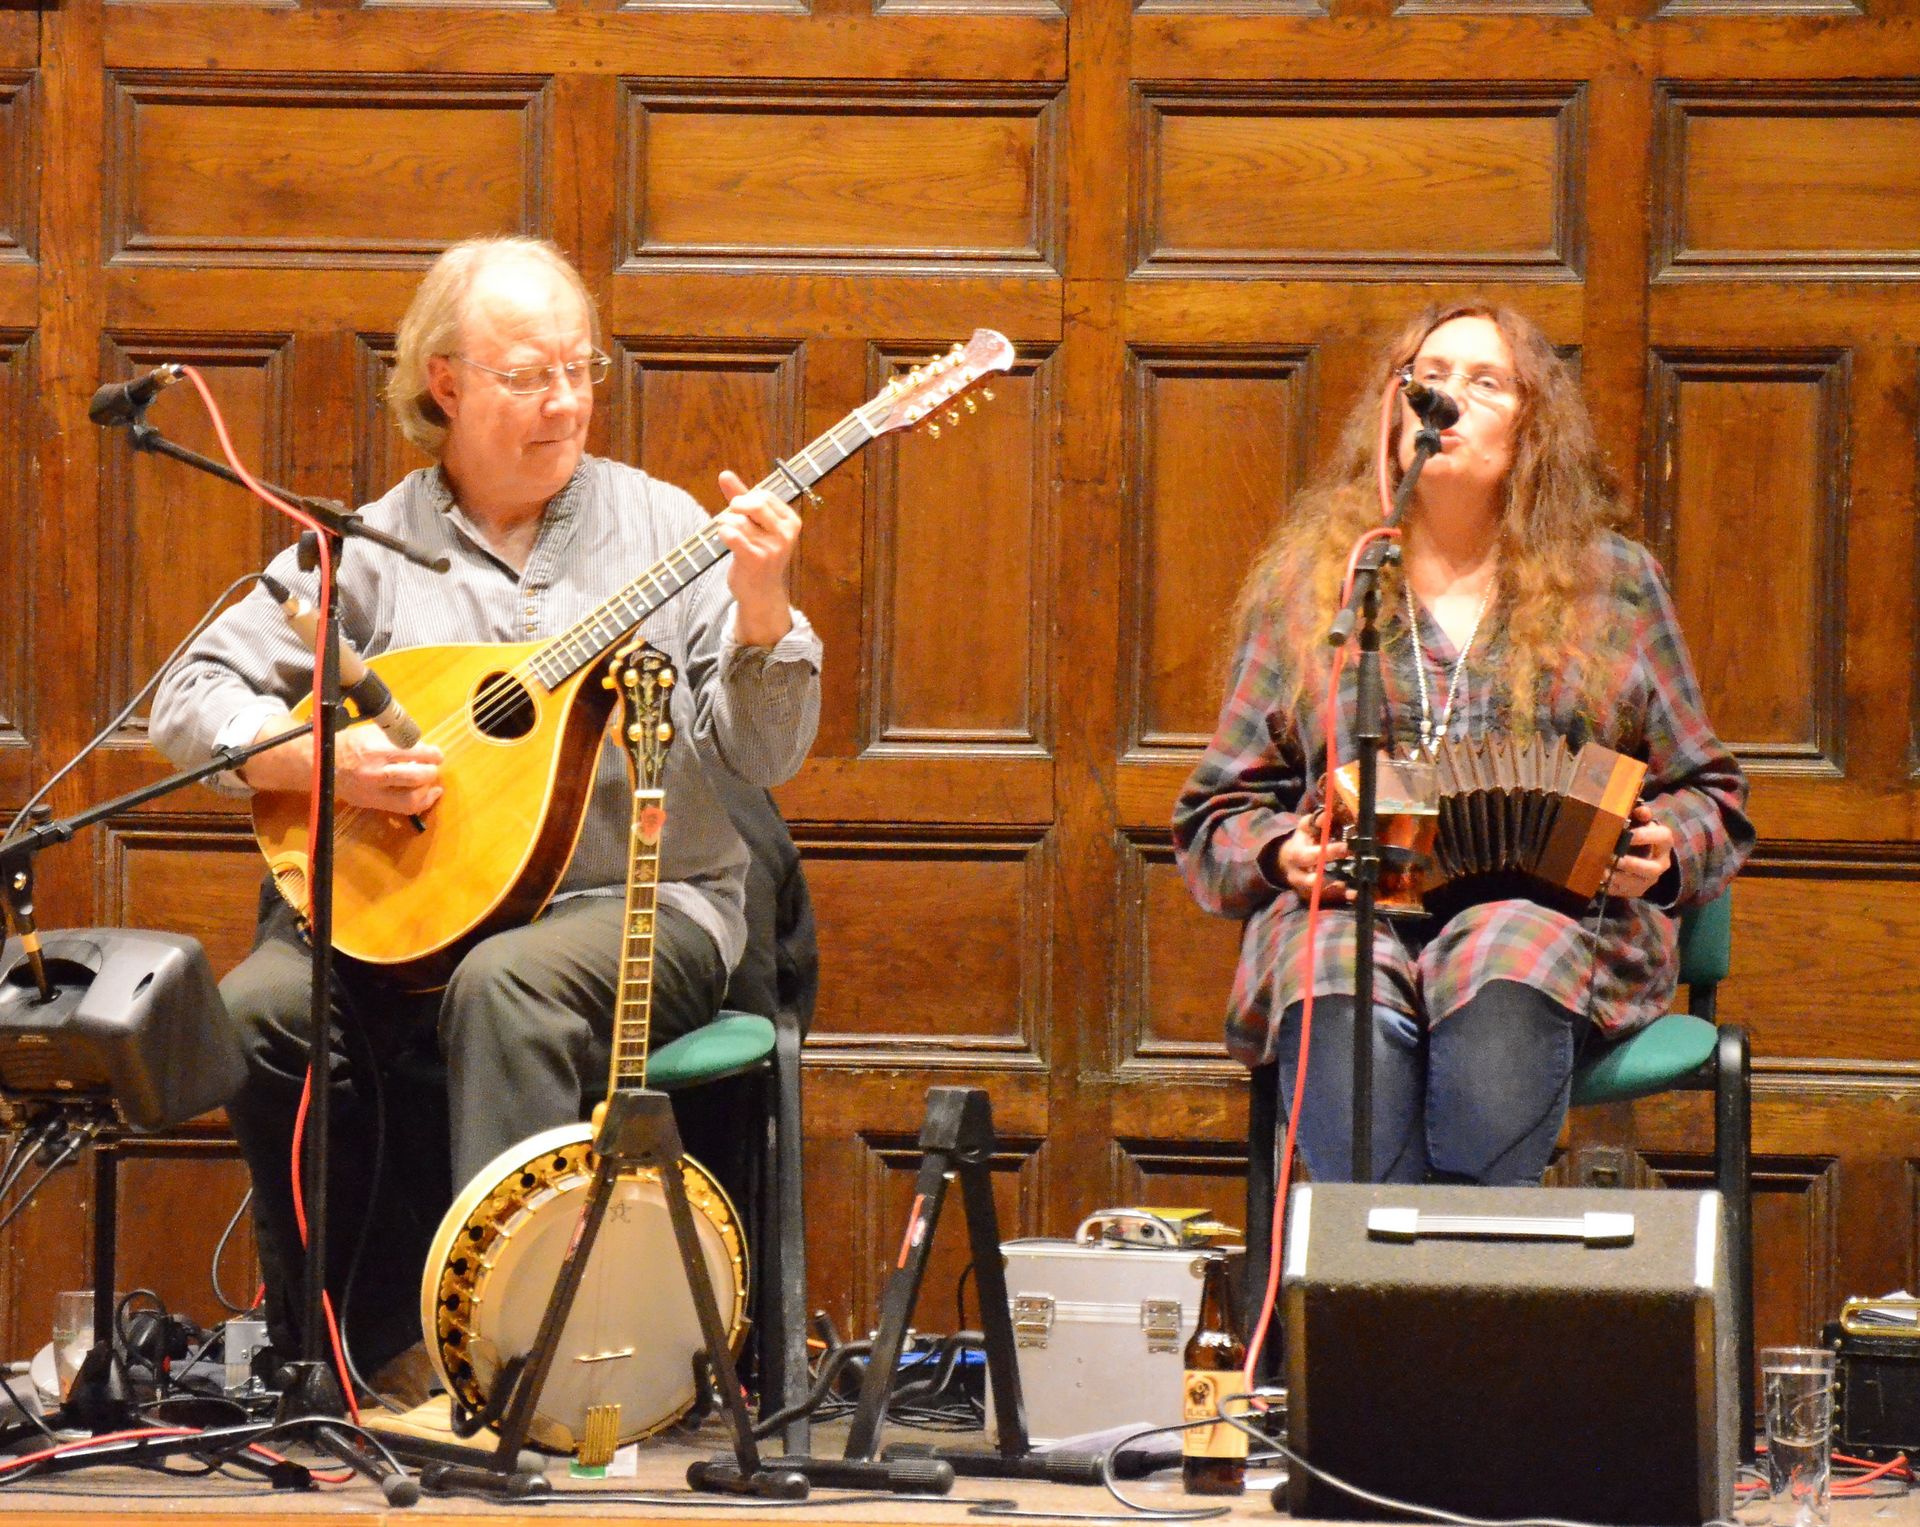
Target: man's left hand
<point>761,532</point>
<point>1650,853</point>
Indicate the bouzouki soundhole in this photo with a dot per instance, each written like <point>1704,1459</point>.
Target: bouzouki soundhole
<point>503,708</point>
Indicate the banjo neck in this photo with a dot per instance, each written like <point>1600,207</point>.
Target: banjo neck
<point>633,1008</point>
<point>644,679</point>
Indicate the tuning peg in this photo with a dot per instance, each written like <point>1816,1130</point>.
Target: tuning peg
<point>953,416</point>
<point>664,731</point>
<point>934,430</point>
<point>987,393</point>
<point>972,407</point>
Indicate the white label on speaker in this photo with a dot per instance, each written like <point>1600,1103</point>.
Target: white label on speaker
<point>1297,1223</point>
<point>1706,1239</point>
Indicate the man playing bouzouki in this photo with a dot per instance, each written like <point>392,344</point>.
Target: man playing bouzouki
<point>496,363</point>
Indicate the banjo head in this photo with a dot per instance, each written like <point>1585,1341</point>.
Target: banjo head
<point>631,1337</point>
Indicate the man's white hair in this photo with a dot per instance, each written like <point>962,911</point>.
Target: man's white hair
<point>437,316</point>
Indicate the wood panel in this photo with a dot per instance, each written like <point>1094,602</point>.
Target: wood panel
<point>380,169</point>
<point>171,541</point>
<point>1359,183</point>
<point>957,540</point>
<point>1751,450</point>
<point>18,560</point>
<point>382,455</point>
<point>1808,182</point>
<point>963,976</point>
<point>1176,968</point>
<point>688,406</point>
<point>19,166</point>
<point>187,876</point>
<point>1217,441</point>
<point>1864,919</point>
<point>1192,217</point>
<point>879,177</point>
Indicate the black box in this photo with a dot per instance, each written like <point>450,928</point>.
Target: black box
<point>1876,1383</point>
<point>1493,1372</point>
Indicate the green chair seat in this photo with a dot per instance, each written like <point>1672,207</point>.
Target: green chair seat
<point>733,1043</point>
<point>1664,1052</point>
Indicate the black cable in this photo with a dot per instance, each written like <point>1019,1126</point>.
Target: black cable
<point>960,1298</point>
<point>83,1491</point>
<point>31,1415</point>
<point>700,1500</point>
<point>77,1141</point>
<point>186,1367</point>
<point>370,1064</point>
<point>129,708</point>
<point>1427,1513</point>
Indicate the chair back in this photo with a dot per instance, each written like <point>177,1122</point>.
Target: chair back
<point>1706,951</point>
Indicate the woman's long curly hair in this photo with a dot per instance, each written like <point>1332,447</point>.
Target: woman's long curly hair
<point>1560,500</point>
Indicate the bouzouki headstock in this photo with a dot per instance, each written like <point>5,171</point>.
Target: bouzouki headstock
<point>915,396</point>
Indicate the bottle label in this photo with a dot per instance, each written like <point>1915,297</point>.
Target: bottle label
<point>1203,1391</point>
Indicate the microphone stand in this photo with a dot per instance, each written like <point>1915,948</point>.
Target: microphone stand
<point>1369,735</point>
<point>309,1395</point>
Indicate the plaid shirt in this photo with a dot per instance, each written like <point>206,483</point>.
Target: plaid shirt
<point>1262,770</point>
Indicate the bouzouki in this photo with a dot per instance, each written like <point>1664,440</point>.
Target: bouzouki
<point>624,1366</point>
<point>519,728</point>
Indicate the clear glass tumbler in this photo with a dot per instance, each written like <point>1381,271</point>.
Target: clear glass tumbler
<point>72,1335</point>
<point>1797,1383</point>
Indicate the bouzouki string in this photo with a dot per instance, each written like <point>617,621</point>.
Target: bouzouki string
<point>616,617</point>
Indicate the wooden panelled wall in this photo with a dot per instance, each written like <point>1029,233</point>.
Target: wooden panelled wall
<point>1191,216</point>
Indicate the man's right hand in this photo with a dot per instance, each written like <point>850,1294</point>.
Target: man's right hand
<point>368,770</point>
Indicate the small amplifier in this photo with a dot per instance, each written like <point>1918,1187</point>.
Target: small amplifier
<point>135,1018</point>
<point>1511,1352</point>
<point>1876,1344</point>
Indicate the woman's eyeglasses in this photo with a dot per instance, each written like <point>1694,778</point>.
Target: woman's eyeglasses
<point>1482,384</point>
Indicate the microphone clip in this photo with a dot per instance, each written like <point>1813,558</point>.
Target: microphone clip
<point>1435,409</point>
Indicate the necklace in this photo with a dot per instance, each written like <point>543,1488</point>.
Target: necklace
<point>1432,733</point>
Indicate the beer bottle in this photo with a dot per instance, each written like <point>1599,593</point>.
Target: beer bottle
<point>1214,1458</point>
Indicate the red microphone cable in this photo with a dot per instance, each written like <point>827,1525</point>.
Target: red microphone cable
<point>307,522</point>
<point>1308,954</point>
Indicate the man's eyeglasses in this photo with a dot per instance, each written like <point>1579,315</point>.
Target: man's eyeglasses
<point>526,381</point>
<point>1483,385</point>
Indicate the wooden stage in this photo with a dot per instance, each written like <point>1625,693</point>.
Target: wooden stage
<point>657,1495</point>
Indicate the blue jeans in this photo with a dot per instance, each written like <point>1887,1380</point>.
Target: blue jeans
<point>1478,1098</point>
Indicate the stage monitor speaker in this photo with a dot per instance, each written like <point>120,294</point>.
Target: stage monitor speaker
<point>135,1016</point>
<point>1511,1352</point>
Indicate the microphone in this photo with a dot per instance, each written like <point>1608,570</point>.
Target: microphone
<point>1436,409</point>
<point>122,402</point>
<point>368,691</point>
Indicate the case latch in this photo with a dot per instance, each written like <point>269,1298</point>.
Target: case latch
<point>1160,1319</point>
<point>1032,1319</point>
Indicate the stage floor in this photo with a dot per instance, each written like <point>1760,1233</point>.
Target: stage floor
<point>658,1494</point>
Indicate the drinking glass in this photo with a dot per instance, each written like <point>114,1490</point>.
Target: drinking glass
<point>1798,1385</point>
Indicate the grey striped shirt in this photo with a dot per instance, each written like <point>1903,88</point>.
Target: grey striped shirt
<point>750,710</point>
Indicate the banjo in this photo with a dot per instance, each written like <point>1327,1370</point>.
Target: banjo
<point>624,1368</point>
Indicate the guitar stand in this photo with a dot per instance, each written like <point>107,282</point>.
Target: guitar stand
<point>637,1130</point>
<point>955,1141</point>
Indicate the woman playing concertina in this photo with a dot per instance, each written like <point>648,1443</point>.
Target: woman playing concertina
<point>1517,609</point>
